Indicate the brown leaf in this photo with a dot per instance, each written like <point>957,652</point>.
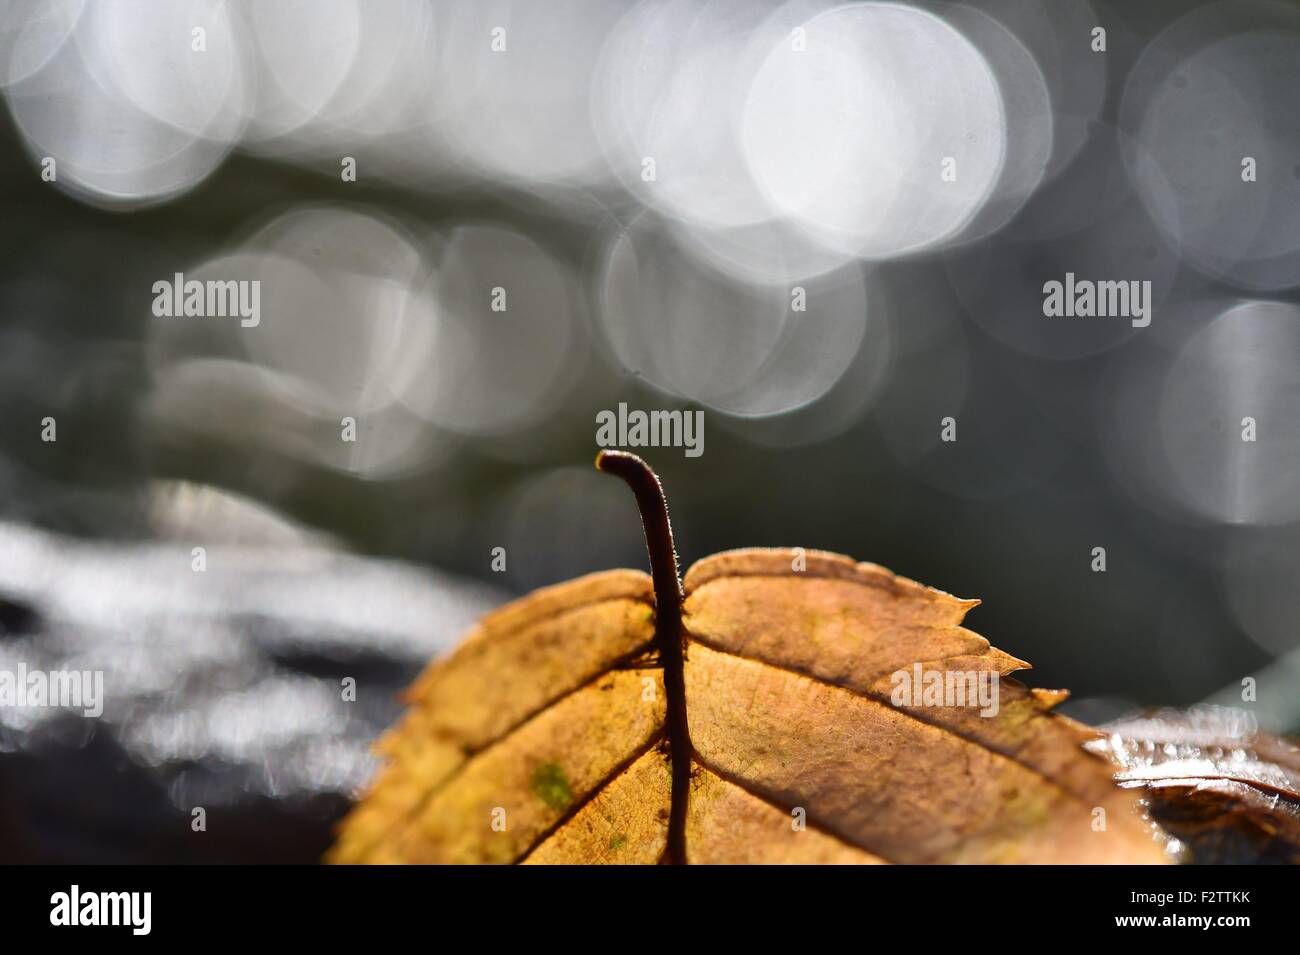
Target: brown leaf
<point>769,686</point>
<point>1214,780</point>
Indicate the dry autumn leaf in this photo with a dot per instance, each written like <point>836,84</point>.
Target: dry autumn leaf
<point>1212,779</point>
<point>758,711</point>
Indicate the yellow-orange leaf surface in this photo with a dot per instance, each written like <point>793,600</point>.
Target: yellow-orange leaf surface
<point>543,738</point>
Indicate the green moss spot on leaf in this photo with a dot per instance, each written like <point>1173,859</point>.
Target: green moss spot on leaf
<point>551,786</point>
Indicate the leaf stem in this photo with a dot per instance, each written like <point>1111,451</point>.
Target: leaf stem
<point>650,500</point>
